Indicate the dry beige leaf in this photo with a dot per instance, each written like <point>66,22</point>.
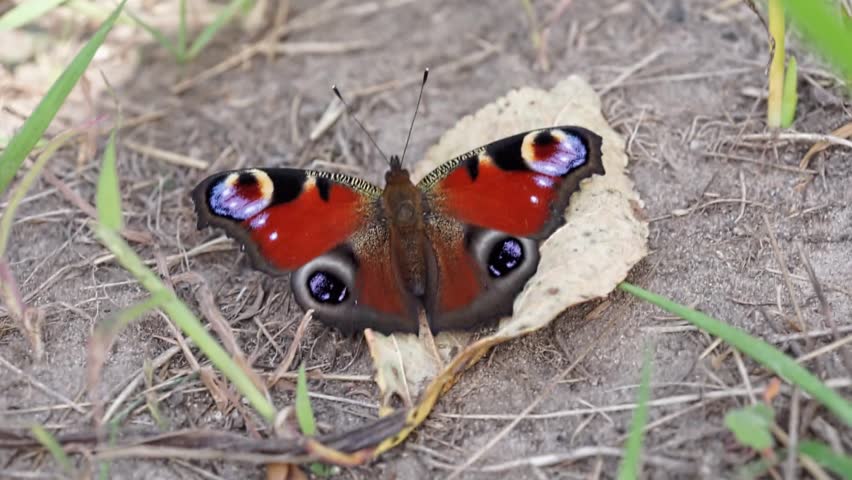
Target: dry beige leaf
<point>605,234</point>
<point>406,363</point>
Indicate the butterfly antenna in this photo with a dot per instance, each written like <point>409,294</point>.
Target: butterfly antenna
<point>410,128</point>
<point>352,114</point>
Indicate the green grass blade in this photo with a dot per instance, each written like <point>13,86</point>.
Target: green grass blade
<point>159,36</point>
<point>169,303</point>
<point>211,30</point>
<point>824,27</point>
<point>26,182</point>
<point>825,456</point>
<point>186,321</point>
<point>33,129</point>
<point>759,350</point>
<point>630,467</point>
<point>750,425</point>
<point>307,421</point>
<point>5,141</point>
<point>323,470</point>
<point>51,445</point>
<point>790,96</point>
<point>304,412</point>
<point>108,197</point>
<point>25,12</point>
<point>181,42</point>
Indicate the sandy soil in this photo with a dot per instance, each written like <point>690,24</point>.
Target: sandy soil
<point>681,80</point>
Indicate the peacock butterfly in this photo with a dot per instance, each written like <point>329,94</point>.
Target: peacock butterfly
<point>460,244</point>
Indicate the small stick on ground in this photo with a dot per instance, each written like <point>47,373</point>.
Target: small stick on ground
<point>295,107</point>
<point>744,374</point>
<point>218,244</point>
<point>285,364</point>
<point>811,466</point>
<point>743,204</point>
<point>322,48</point>
<point>684,77</point>
<point>790,469</point>
<point>825,308</point>
<point>210,310</point>
<point>137,236</point>
<point>837,344</point>
<point>786,274</point>
<point>168,157</point>
<point>845,291</point>
<point>318,375</point>
<point>811,333</point>
<point>631,70</point>
<point>136,380</point>
<point>798,137</point>
<point>740,158</point>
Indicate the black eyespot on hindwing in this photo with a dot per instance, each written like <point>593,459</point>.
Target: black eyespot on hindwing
<point>326,287</point>
<point>506,255</point>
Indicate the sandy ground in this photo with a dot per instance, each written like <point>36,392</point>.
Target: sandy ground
<point>681,80</point>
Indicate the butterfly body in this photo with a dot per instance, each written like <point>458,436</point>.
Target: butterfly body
<point>402,206</point>
<point>458,245</point>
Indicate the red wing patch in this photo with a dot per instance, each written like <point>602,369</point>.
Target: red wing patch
<point>379,289</point>
<point>290,234</point>
<point>459,282</point>
<point>284,217</point>
<point>519,185</point>
<point>515,202</point>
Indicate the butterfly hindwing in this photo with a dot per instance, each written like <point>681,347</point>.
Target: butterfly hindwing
<point>499,201</point>
<point>323,228</point>
<point>470,283</point>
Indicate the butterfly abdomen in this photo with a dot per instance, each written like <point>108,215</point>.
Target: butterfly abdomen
<point>402,205</point>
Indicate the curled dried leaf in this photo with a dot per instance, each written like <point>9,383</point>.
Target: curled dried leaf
<point>843,132</point>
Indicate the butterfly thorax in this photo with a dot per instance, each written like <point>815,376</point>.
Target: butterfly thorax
<point>402,205</point>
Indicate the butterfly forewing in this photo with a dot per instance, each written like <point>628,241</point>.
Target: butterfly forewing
<point>518,185</point>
